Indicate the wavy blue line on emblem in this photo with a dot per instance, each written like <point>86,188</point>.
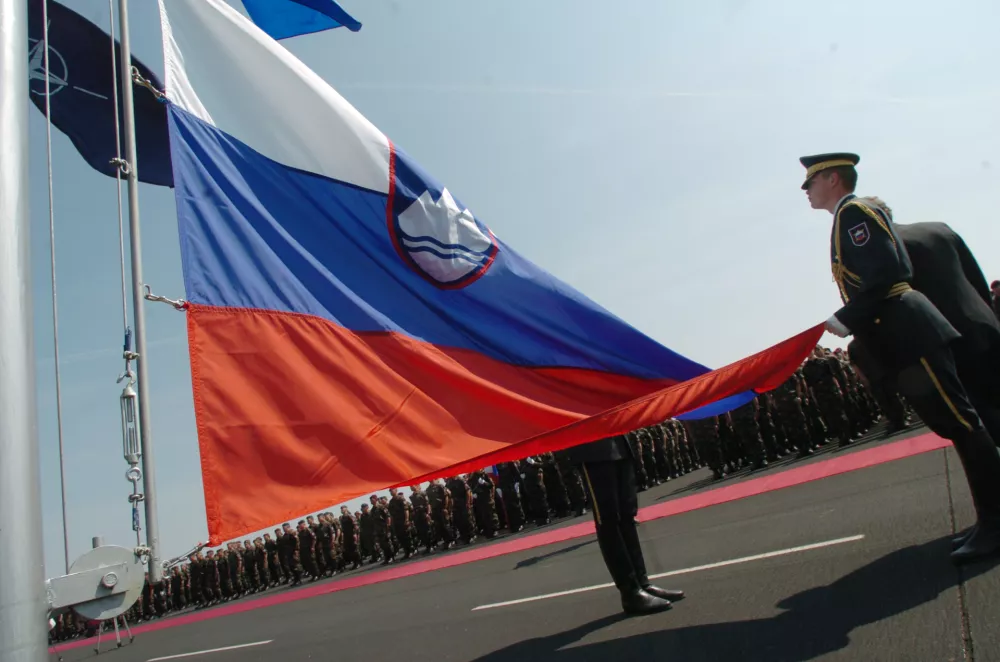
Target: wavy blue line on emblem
<point>441,244</point>
<point>444,256</point>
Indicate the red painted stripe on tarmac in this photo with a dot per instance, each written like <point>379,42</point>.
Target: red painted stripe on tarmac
<point>797,476</point>
<point>748,488</point>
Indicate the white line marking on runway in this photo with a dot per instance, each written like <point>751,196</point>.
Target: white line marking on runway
<point>213,650</point>
<point>684,571</point>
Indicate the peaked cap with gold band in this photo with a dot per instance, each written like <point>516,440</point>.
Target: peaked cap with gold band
<point>820,162</point>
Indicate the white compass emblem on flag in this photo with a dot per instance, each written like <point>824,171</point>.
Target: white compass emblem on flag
<point>58,71</point>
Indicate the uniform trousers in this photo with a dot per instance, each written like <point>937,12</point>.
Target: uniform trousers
<point>933,387</point>
<point>615,502</point>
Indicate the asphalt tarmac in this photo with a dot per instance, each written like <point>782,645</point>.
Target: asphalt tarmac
<point>853,566</point>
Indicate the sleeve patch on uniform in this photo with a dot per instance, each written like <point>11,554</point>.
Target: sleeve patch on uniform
<point>859,234</point>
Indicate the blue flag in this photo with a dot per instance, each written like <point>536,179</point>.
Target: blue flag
<point>81,81</point>
<point>290,18</point>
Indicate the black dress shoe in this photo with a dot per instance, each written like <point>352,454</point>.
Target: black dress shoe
<point>963,537</point>
<point>984,541</point>
<point>665,593</point>
<point>638,603</point>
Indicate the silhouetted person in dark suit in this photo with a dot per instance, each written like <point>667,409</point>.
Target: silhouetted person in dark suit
<point>609,476</point>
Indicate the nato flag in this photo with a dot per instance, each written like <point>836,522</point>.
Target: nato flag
<point>82,87</point>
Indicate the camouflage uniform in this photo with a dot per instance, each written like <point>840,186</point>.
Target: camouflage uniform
<point>485,503</point>
<point>555,488</point>
<point>510,480</point>
<point>534,487</point>
<point>422,517</point>
<point>440,500</point>
<point>821,375</point>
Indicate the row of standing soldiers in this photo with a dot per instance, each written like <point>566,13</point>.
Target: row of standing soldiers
<point>824,400</point>
<point>450,511</point>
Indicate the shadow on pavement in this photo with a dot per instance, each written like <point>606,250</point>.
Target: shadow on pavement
<point>534,560</point>
<point>816,621</point>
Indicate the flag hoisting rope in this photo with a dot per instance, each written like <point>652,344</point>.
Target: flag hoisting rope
<point>52,264</point>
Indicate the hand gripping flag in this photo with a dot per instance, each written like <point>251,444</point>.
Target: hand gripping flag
<point>352,324</point>
<point>82,85</point>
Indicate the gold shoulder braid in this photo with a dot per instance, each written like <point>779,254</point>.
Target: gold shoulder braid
<point>840,272</point>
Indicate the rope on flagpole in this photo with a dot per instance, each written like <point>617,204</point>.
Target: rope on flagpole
<point>131,442</point>
<point>124,169</point>
<point>52,262</point>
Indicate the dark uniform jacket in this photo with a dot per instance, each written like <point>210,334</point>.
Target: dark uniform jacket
<point>945,270</point>
<point>602,450</point>
<point>873,270</point>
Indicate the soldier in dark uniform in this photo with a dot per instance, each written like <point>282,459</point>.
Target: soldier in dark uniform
<point>380,518</point>
<point>573,481</point>
<point>485,492</point>
<point>251,580</point>
<point>366,534</point>
<point>223,562</point>
<point>274,564</point>
<point>211,576</point>
<point>905,331</point>
<point>829,394</point>
<point>188,593</point>
<point>666,450</point>
<point>324,546</point>
<point>792,419</point>
<point>289,546</point>
<point>307,550</point>
<point>236,569</point>
<point>769,433</point>
<point>260,556</point>
<point>555,488</point>
<point>349,531</point>
<point>536,499</point>
<point>197,575</point>
<point>177,589</point>
<point>609,474</point>
<point>461,508</point>
<point>439,498</point>
<point>510,478</point>
<point>317,545</point>
<point>400,522</point>
<point>947,273</point>
<point>690,457</point>
<point>747,429</point>
<point>731,452</point>
<point>706,438</point>
<point>642,477</point>
<point>649,458</point>
<point>421,517</point>
<point>814,417</point>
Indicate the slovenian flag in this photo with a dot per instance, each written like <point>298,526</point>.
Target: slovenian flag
<point>352,324</point>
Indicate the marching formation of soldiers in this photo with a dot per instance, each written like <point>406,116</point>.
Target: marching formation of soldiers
<point>825,400</point>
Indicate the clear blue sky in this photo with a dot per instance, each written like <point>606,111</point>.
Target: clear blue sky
<point>644,152</point>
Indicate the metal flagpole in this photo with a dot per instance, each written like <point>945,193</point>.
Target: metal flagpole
<point>138,312</point>
<point>22,588</point>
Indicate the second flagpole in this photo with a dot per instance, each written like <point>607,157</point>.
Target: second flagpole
<point>138,302</point>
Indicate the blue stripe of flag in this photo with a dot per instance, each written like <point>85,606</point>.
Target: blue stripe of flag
<point>282,19</point>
